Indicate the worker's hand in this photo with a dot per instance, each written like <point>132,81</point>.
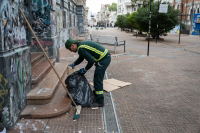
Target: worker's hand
<point>72,65</point>
<point>82,71</point>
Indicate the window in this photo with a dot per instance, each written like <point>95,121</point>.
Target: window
<point>178,7</point>
<point>69,6</point>
<point>70,22</point>
<point>74,21</point>
<point>64,19</point>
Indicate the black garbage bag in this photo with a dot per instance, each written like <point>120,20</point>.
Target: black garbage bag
<point>79,89</point>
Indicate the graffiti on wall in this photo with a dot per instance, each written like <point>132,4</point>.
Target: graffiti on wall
<point>64,35</point>
<point>18,73</point>
<point>56,47</point>
<point>47,44</point>
<point>44,43</point>
<point>74,32</point>
<point>196,24</point>
<point>67,20</point>
<point>72,20</point>
<point>41,16</point>
<point>12,29</point>
<point>59,20</point>
<point>53,23</point>
<point>3,91</point>
<point>176,29</point>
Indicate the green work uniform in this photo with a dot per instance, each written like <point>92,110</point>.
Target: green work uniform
<point>94,53</point>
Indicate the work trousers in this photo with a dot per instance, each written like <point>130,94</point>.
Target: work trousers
<point>99,73</point>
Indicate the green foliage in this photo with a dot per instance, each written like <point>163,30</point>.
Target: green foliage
<point>116,24</point>
<point>123,22</point>
<point>120,21</point>
<point>126,22</point>
<point>166,21</point>
<point>183,25</point>
<point>144,3</point>
<point>88,8</point>
<point>113,7</point>
<point>132,20</point>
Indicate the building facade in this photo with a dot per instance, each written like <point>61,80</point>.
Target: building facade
<point>188,8</point>
<point>105,17</point>
<point>53,22</point>
<point>126,6</point>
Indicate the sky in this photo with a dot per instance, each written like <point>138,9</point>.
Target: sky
<point>95,5</point>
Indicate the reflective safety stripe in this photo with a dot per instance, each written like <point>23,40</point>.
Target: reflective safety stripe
<point>99,92</point>
<point>102,54</point>
<point>90,48</point>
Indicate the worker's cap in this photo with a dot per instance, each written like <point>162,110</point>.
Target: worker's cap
<point>69,42</point>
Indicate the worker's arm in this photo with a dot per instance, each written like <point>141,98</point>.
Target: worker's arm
<point>85,55</point>
<point>78,61</point>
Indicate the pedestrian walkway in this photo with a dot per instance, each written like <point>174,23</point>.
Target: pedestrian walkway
<point>163,97</point>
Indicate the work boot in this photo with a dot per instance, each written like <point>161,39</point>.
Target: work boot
<point>96,104</point>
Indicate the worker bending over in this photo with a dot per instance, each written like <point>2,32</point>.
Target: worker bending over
<point>96,54</point>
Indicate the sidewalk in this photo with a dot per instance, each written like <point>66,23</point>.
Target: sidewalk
<point>163,97</point>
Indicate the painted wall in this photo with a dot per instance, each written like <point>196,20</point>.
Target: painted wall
<point>50,19</point>
<point>196,24</point>
<point>81,18</point>
<point>53,23</point>
<point>12,29</point>
<point>15,68</point>
<point>15,83</point>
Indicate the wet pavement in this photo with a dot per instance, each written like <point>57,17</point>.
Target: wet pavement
<point>164,96</point>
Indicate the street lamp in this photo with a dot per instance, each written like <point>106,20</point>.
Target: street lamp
<point>181,22</point>
<point>149,28</point>
<point>157,32</point>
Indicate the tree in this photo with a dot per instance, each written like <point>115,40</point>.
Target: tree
<point>127,23</point>
<point>113,7</point>
<point>120,21</point>
<point>166,21</point>
<point>87,8</point>
<point>143,3</point>
<point>132,20</point>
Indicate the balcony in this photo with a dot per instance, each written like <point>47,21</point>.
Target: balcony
<point>127,2</point>
<point>107,12</point>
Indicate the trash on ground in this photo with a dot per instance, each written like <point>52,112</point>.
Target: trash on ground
<point>113,84</point>
<point>79,89</point>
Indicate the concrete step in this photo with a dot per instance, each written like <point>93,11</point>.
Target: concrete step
<point>59,105</point>
<point>44,91</point>
<point>40,70</point>
<point>35,58</point>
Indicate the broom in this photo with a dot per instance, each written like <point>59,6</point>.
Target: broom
<point>77,108</point>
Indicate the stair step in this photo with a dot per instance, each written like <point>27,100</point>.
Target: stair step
<point>59,105</point>
<point>44,91</point>
<point>35,58</point>
<point>40,70</point>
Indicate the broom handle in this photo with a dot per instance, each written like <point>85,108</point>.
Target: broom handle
<point>47,56</point>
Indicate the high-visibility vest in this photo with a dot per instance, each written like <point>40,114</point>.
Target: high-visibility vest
<point>102,54</point>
